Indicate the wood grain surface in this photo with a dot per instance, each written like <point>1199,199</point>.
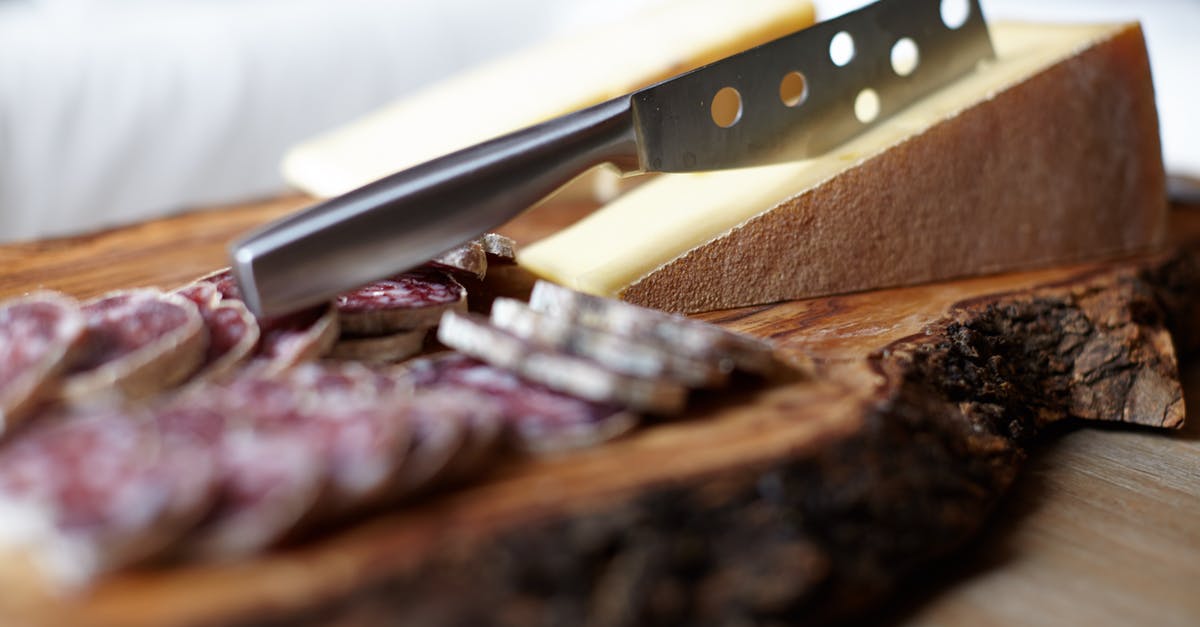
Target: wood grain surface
<point>1099,529</point>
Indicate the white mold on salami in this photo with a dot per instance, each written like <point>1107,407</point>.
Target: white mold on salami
<point>470,258</point>
<point>136,343</point>
<point>677,333</point>
<point>38,335</point>
<point>617,352</point>
<point>538,419</point>
<point>381,348</point>
<point>586,379</point>
<point>412,300</point>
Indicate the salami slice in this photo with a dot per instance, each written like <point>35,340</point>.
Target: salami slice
<point>38,334</point>
<point>85,494</point>
<point>684,336</point>
<point>381,348</point>
<point>412,300</point>
<point>232,330</point>
<point>566,373</point>
<point>136,342</point>
<point>286,341</point>
<point>283,341</point>
<point>541,420</point>
<point>470,258</point>
<point>437,439</point>
<point>620,353</point>
<point>499,249</point>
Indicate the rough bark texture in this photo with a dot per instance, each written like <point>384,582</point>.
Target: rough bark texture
<point>822,536</point>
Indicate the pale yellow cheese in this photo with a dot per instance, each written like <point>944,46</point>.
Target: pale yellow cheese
<point>1048,154</point>
<point>535,85</point>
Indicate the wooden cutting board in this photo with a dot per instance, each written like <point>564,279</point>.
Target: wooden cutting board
<point>910,416</point>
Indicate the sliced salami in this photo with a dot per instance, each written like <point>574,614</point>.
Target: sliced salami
<point>284,341</point>
<point>499,249</point>
<point>470,258</point>
<point>381,348</point>
<point>232,330</point>
<point>85,494</point>
<point>437,439</point>
<point>412,300</point>
<point>38,334</point>
<point>684,336</point>
<point>566,373</point>
<point>136,342</point>
<point>617,352</point>
<point>540,419</point>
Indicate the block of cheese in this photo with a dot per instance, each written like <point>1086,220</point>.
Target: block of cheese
<point>535,85</point>
<point>1049,154</point>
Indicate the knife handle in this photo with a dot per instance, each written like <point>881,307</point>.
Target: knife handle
<point>411,216</point>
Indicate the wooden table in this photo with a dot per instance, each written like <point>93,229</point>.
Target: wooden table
<point>1103,527</point>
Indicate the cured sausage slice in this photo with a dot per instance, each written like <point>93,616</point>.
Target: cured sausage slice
<point>37,336</point>
<point>620,353</point>
<point>284,341</point>
<point>412,300</point>
<point>136,342</point>
<point>87,493</point>
<point>672,332</point>
<point>540,419</point>
<point>499,248</point>
<point>471,258</point>
<point>572,375</point>
<point>232,330</point>
<point>380,348</point>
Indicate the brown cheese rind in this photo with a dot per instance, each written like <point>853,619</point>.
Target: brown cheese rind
<point>586,379</point>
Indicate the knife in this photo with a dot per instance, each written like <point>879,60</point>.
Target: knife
<point>792,98</point>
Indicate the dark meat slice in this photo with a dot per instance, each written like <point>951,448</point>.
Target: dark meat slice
<point>470,259</point>
<point>438,437</point>
<point>87,493</point>
<point>232,330</point>
<point>572,375</point>
<point>284,341</point>
<point>499,249</point>
<point>617,352</point>
<point>335,435</point>
<point>37,336</point>
<point>380,348</point>
<point>267,486</point>
<point>540,419</point>
<point>136,342</point>
<point>406,301</point>
<point>480,417</point>
<point>693,338</point>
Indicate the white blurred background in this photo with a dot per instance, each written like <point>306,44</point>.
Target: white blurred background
<point>113,111</point>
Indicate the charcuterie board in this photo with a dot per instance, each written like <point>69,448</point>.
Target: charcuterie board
<point>908,418</point>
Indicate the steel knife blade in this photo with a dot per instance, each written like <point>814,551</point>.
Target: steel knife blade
<point>793,98</point>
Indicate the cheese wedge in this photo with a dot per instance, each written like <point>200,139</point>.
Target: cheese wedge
<point>1049,154</point>
<point>538,84</point>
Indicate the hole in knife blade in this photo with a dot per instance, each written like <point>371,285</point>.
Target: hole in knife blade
<point>841,49</point>
<point>905,56</point>
<point>866,106</point>
<point>726,107</point>
<point>955,13</point>
<point>793,89</point>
